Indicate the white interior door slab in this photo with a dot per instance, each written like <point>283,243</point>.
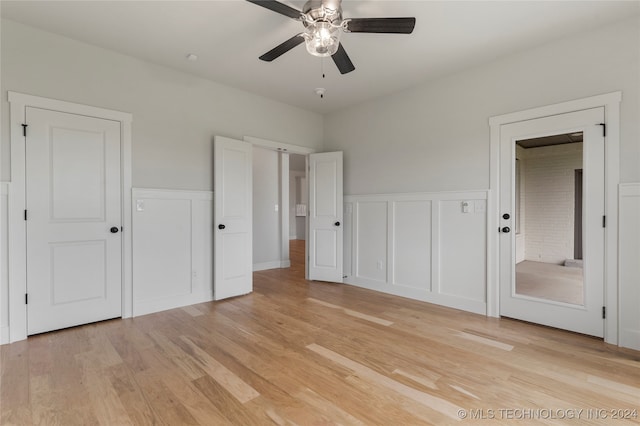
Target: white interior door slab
<point>233,217</point>
<point>73,197</point>
<point>325,217</point>
<point>583,318</point>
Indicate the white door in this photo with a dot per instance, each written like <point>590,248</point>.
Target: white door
<point>73,220</point>
<point>325,217</point>
<point>584,316</point>
<point>233,216</point>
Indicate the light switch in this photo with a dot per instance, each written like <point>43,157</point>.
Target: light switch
<point>276,207</point>
<point>140,205</point>
<point>466,206</point>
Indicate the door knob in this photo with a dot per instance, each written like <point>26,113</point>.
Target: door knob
<point>337,224</point>
<point>114,229</point>
<point>221,226</point>
<point>506,229</point>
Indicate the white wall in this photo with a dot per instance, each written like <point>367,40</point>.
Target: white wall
<point>421,246</point>
<point>549,201</point>
<point>175,115</point>
<point>266,220</point>
<point>435,137</point>
<point>172,249</point>
<point>629,265</point>
<point>4,263</point>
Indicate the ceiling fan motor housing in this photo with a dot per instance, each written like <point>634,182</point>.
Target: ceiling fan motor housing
<point>322,10</point>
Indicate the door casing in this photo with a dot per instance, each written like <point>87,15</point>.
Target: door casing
<point>611,104</point>
<point>17,202</point>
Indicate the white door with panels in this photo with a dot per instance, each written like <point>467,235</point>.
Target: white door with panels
<point>325,217</point>
<point>567,302</point>
<point>233,217</point>
<point>73,202</point>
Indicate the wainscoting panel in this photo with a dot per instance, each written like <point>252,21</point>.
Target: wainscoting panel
<point>425,246</point>
<point>629,265</point>
<point>411,244</point>
<point>4,263</point>
<point>172,249</point>
<point>371,240</point>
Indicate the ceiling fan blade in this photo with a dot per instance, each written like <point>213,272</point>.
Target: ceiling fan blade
<point>381,25</point>
<point>342,60</point>
<point>278,7</point>
<point>283,48</point>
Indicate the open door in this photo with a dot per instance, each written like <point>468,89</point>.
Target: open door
<point>233,249</point>
<point>325,217</point>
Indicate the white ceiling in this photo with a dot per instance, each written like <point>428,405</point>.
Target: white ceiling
<point>229,35</point>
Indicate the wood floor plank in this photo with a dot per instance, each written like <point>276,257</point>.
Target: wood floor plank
<point>311,353</point>
<point>227,379</point>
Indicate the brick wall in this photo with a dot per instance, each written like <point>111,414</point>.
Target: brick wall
<point>549,196</point>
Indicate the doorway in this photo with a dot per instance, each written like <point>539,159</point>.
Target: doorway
<point>540,280</point>
<point>298,207</point>
<point>88,200</point>
<point>548,216</point>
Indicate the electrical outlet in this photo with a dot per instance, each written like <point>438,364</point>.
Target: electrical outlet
<point>380,265</point>
<point>481,206</point>
<point>276,207</point>
<point>140,205</point>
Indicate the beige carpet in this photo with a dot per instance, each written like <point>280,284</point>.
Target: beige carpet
<point>549,281</point>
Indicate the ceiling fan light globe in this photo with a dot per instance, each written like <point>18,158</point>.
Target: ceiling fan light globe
<point>322,38</point>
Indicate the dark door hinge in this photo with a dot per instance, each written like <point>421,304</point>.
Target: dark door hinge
<point>25,215</point>
<point>604,129</point>
<point>26,298</point>
<point>24,130</point>
<point>604,221</point>
<point>604,312</point>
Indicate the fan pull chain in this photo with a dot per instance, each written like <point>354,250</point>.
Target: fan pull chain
<point>322,66</point>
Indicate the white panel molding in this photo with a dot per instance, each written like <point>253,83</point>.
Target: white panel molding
<point>197,228</point>
<point>432,292</point>
<point>611,103</point>
<point>17,202</point>
<point>629,269</point>
<point>4,263</point>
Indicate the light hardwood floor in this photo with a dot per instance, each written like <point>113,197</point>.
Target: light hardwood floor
<point>308,353</point>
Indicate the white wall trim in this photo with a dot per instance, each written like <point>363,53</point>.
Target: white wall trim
<point>198,226</point>
<point>611,104</point>
<point>436,291</point>
<point>276,264</point>
<point>4,304</point>
<point>279,146</point>
<point>17,202</point>
<point>628,269</point>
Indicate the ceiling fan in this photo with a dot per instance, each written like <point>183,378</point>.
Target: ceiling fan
<point>323,26</point>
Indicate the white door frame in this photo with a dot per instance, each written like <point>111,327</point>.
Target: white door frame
<point>611,104</point>
<point>17,202</point>
<point>285,148</point>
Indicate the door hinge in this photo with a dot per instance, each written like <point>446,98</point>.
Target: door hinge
<point>604,312</point>
<point>25,215</point>
<point>24,130</point>
<point>26,298</point>
<point>604,221</point>
<point>604,129</point>
<point>121,229</point>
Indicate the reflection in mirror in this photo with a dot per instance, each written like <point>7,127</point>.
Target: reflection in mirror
<point>548,218</point>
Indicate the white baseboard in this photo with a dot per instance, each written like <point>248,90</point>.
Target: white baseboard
<point>271,265</point>
<point>150,306</point>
